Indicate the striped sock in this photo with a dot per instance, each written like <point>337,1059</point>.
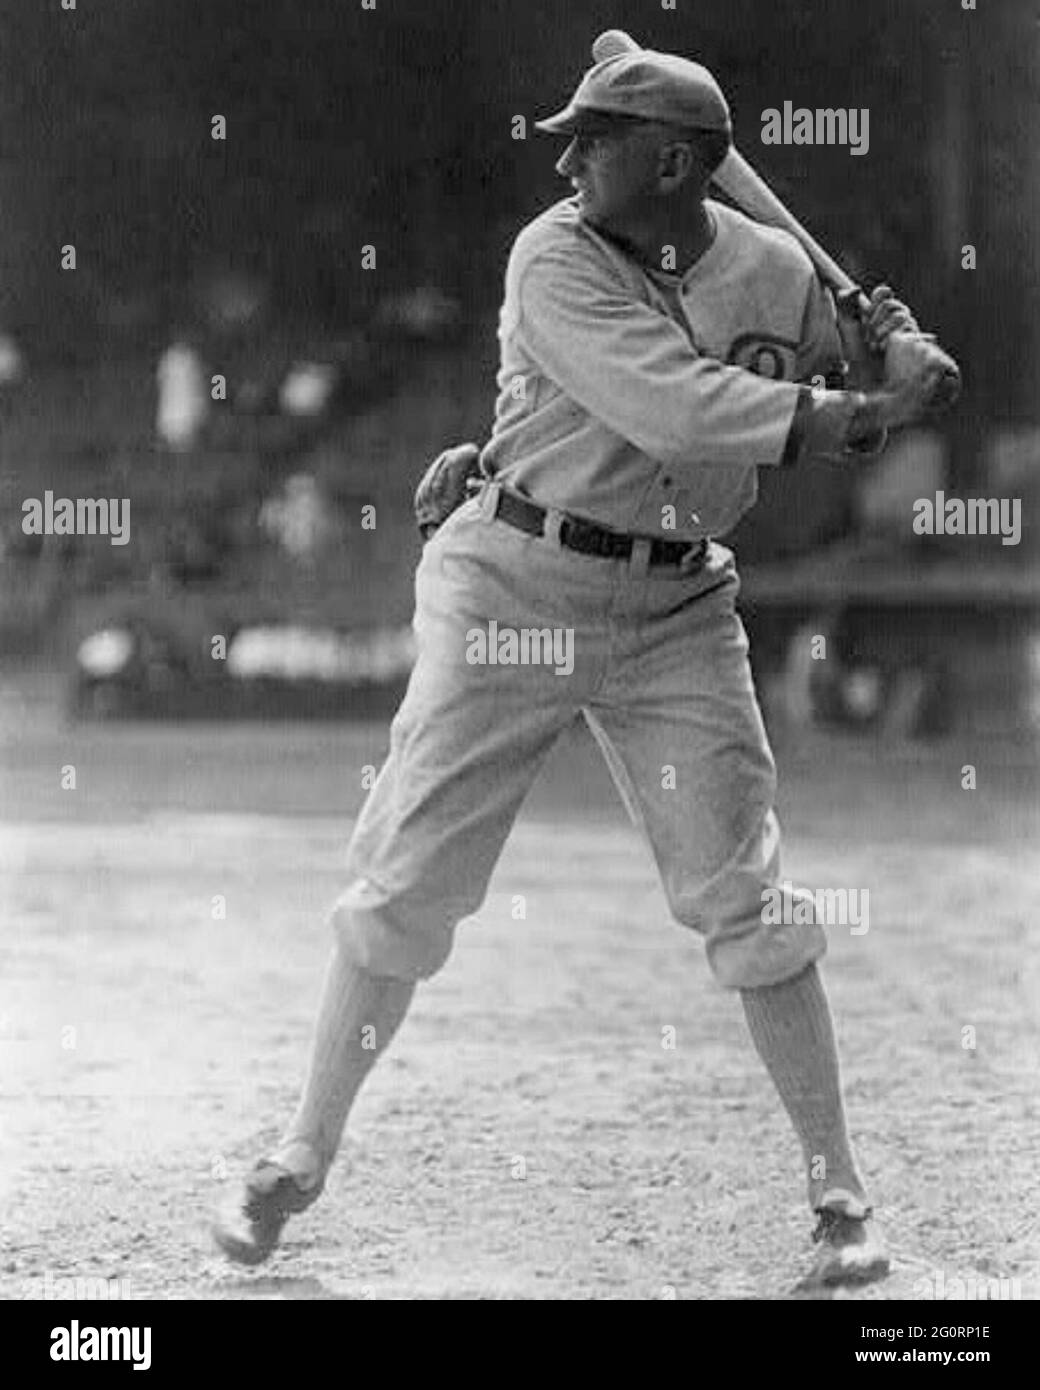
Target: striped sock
<point>792,1030</point>
<point>358,1016</point>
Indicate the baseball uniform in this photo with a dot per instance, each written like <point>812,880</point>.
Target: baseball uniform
<point>641,402</point>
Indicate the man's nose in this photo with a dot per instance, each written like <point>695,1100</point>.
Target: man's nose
<point>570,161</point>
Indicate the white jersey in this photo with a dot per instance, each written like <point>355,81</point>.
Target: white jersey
<point>647,400</point>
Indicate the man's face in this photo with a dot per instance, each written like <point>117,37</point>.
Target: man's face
<point>613,166</point>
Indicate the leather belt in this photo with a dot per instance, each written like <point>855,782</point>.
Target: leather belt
<point>588,538</point>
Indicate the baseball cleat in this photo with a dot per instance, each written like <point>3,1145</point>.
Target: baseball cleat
<point>851,1248</point>
<point>248,1225</point>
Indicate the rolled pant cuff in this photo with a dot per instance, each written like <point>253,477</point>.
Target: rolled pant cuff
<point>377,943</point>
<point>765,956</point>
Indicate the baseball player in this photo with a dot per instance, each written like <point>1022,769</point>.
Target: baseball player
<point>657,348</point>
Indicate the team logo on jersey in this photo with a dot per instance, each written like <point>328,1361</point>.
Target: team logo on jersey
<point>765,355</point>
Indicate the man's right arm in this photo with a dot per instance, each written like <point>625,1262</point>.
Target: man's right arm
<point>634,369</point>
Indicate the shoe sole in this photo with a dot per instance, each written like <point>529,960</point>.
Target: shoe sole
<point>241,1251</point>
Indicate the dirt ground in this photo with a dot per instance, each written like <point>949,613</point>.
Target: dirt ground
<point>529,1136</point>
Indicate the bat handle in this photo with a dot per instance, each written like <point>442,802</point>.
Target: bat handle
<point>853,302</point>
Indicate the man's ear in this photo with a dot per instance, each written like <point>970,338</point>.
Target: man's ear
<point>677,163</point>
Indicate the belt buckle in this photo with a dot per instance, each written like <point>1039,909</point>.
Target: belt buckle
<point>694,558</point>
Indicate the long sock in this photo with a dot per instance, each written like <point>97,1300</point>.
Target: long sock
<point>792,1030</point>
<point>358,1016</point>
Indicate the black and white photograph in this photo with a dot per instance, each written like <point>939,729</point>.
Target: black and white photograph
<point>520,661</point>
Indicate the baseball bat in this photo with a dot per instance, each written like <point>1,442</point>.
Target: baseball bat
<point>749,190</point>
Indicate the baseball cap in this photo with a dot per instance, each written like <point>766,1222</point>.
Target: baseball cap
<point>644,85</point>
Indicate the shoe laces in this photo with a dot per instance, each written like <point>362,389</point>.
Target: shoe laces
<point>264,1192</point>
<point>830,1220</point>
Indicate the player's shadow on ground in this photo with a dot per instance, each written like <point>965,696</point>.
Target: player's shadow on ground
<point>840,1293</point>
<point>270,1286</point>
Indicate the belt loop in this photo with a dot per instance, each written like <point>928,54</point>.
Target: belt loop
<point>639,562</point>
<point>553,522</point>
<point>489,495</point>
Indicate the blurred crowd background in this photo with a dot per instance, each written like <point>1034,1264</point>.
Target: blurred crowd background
<point>394,127</point>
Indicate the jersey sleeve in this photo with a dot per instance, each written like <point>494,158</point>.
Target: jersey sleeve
<point>633,368</point>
